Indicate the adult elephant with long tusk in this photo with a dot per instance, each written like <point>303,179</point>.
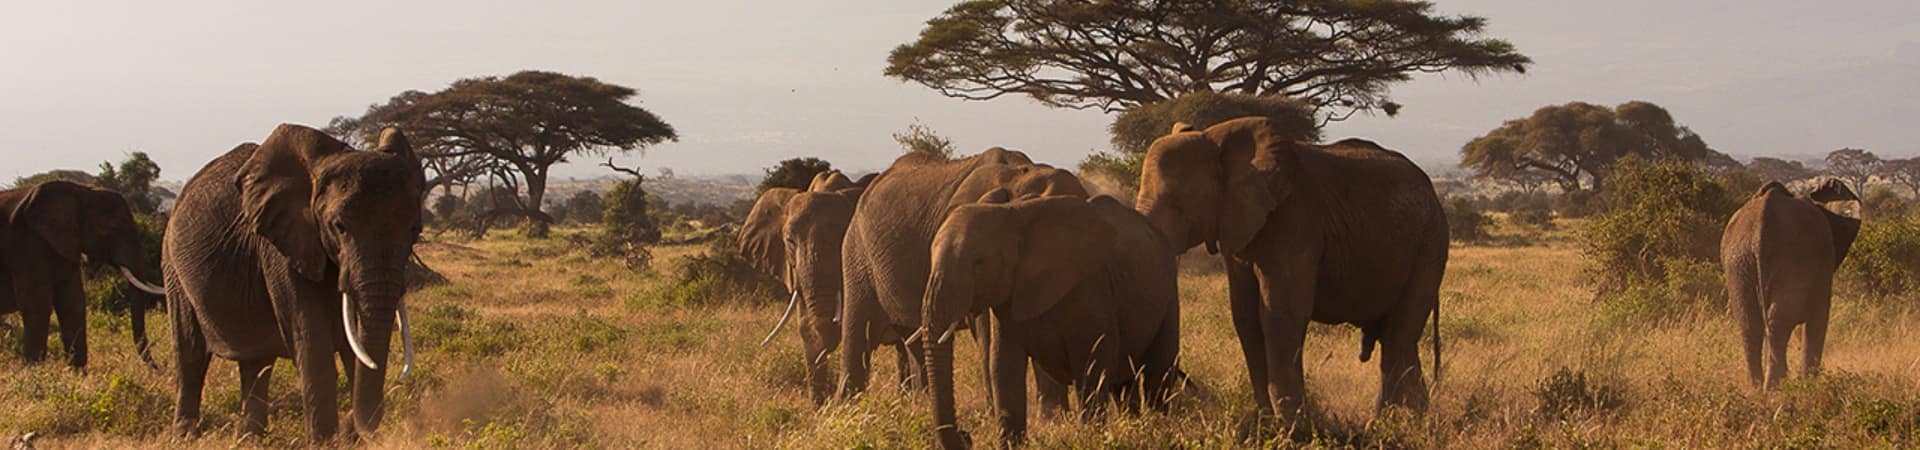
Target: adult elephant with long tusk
<point>45,230</point>
<point>796,236</point>
<point>294,248</point>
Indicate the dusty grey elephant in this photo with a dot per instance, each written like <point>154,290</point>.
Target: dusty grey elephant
<point>1086,289</point>
<point>45,230</point>
<point>1343,233</point>
<point>1779,253</point>
<point>295,248</point>
<point>796,236</point>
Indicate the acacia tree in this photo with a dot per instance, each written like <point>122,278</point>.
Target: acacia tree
<point>796,173</point>
<point>1780,170</point>
<point>1339,56</point>
<point>1577,144</point>
<point>133,179</point>
<point>1854,165</point>
<point>1904,172</point>
<point>521,124</point>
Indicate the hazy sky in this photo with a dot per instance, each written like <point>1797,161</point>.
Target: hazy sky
<point>748,83</point>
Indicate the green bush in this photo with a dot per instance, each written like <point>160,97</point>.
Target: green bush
<point>1465,221</point>
<point>1121,169</point>
<point>1884,262</point>
<point>1538,218</point>
<point>717,276</point>
<point>1655,238</point>
<point>1884,204</point>
<point>1569,393</point>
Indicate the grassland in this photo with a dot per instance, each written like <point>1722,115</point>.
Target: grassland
<point>533,345</point>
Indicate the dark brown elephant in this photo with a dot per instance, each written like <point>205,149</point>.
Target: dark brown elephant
<point>886,255</point>
<point>44,232</point>
<point>801,233</point>
<point>1086,289</point>
<point>1343,233</point>
<point>1779,253</point>
<point>295,248</point>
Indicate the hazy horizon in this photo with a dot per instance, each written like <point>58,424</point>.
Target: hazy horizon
<point>748,84</point>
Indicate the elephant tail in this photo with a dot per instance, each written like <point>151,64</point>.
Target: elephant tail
<point>1436,344</point>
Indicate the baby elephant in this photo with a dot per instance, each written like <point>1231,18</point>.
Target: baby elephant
<point>1085,288</point>
<point>1779,253</point>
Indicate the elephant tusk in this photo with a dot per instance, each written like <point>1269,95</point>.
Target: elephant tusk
<point>948,336</point>
<point>406,342</point>
<point>141,285</point>
<point>353,340</point>
<point>916,335</point>
<point>791,303</point>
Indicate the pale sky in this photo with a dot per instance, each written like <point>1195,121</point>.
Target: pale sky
<point>748,83</point>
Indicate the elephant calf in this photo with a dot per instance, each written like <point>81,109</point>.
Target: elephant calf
<point>1084,287</point>
<point>1779,253</point>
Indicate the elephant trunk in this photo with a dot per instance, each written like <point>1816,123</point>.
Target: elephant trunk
<point>135,268</point>
<point>946,302</point>
<point>371,337</point>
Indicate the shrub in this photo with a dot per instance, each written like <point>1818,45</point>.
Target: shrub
<point>1884,262</point>
<point>794,173</point>
<point>1118,173</point>
<point>626,227</point>
<point>716,276</point>
<point>1654,238</point>
<point>1568,393</point>
<point>1465,222</point>
<point>1511,201</point>
<point>1884,204</point>
<point>1539,218</point>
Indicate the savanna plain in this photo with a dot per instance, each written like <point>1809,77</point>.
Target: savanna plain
<point>531,343</point>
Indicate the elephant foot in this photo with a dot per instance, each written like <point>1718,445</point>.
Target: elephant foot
<point>951,437</point>
<point>186,428</point>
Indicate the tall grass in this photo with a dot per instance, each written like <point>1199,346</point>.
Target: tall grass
<point>531,345</point>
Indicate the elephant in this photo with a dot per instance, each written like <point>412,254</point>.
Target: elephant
<point>796,236</point>
<point>1779,253</point>
<point>1085,288</point>
<point>1343,233</point>
<point>886,257</point>
<point>296,248</point>
<point>45,231</point>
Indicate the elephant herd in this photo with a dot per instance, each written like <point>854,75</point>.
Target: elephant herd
<point>1084,290</point>
<point>296,248</point>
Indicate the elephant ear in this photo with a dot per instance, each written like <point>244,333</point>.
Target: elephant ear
<point>1257,162</point>
<point>1065,242</point>
<point>276,195</point>
<point>1842,210</point>
<point>762,239</point>
<point>52,210</point>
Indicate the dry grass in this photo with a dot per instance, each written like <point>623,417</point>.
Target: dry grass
<point>534,346</point>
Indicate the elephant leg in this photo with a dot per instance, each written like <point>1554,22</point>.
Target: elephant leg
<point>1778,333</point>
<point>347,363</point>
<point>1052,393</point>
<point>255,376</point>
<point>314,319</point>
<point>1009,371</point>
<point>1287,307</point>
<point>190,360</point>
<point>1402,382</point>
<point>912,367</point>
<point>36,312</point>
<point>1816,342</point>
<point>70,305</point>
<point>1159,376</point>
<point>1243,288</point>
<point>1753,329</point>
<point>855,356</point>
